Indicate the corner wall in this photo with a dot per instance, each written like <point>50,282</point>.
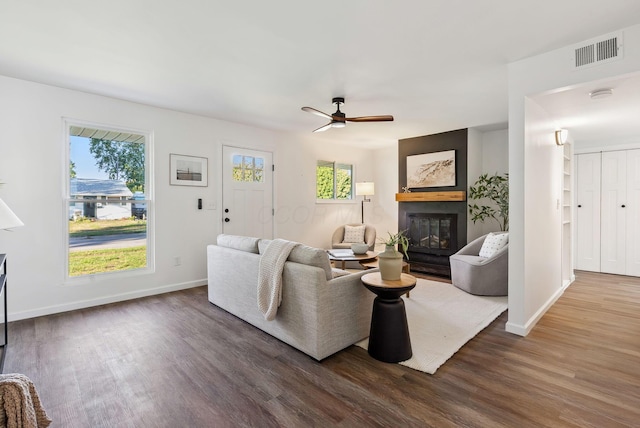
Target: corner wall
<point>531,289</point>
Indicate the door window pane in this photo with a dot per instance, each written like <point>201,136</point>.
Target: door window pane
<point>248,169</point>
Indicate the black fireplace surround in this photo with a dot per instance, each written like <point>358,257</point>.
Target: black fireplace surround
<point>432,239</point>
<point>432,233</point>
<point>438,228</point>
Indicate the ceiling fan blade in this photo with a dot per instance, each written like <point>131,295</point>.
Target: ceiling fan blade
<point>384,118</point>
<point>324,128</point>
<point>318,112</point>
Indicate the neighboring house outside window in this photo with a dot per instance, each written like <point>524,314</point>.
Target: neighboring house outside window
<point>108,200</point>
<point>334,181</point>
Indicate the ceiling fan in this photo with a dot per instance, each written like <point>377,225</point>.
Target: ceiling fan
<point>339,120</point>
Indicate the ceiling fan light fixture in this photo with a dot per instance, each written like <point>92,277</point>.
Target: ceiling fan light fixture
<point>338,124</point>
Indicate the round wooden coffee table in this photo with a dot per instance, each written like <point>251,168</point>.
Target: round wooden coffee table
<point>369,255</point>
<point>389,333</point>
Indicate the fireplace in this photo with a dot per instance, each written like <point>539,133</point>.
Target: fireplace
<point>432,239</point>
<point>432,233</point>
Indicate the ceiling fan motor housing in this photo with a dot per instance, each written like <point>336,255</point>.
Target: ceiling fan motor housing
<point>338,118</point>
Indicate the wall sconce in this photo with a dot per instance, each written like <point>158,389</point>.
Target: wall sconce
<point>561,136</point>
<point>365,188</point>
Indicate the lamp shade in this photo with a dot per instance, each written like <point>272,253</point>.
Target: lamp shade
<point>7,218</point>
<point>365,188</point>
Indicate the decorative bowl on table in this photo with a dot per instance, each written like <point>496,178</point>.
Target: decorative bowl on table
<point>359,248</point>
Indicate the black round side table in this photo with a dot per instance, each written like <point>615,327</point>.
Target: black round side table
<point>389,334</point>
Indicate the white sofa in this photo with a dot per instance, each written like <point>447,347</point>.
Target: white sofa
<point>319,315</point>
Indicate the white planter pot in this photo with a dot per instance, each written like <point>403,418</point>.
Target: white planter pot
<point>390,263</point>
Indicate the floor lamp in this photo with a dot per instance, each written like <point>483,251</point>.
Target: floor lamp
<point>365,188</point>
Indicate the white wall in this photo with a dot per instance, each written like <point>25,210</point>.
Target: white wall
<point>530,293</point>
<point>298,216</point>
<point>31,164</point>
<point>474,170</point>
<point>495,152</point>
<point>385,207</point>
<point>488,153</point>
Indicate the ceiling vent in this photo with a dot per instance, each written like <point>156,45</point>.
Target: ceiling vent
<point>598,51</point>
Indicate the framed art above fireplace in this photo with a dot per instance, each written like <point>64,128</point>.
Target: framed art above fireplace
<point>436,169</point>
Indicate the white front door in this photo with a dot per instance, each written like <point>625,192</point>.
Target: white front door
<point>247,192</point>
<point>588,212</point>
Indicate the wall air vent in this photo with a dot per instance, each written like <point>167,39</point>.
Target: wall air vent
<point>598,51</point>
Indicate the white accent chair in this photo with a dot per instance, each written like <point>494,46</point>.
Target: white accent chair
<point>369,237</point>
<point>482,276</point>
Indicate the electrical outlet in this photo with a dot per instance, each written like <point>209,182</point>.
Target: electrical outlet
<point>177,261</point>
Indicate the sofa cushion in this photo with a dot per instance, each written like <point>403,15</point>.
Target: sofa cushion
<point>353,234</point>
<point>242,243</point>
<point>305,255</point>
<point>493,243</point>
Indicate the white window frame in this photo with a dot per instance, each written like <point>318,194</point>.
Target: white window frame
<point>149,201</point>
<point>334,200</point>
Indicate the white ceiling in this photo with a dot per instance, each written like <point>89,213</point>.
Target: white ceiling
<point>436,65</point>
<point>610,120</point>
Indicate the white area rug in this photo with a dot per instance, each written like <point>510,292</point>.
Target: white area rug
<point>441,319</point>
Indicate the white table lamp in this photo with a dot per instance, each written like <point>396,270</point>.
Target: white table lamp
<point>8,219</point>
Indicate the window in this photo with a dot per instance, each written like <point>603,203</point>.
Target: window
<point>334,181</point>
<point>107,196</point>
<point>248,169</point>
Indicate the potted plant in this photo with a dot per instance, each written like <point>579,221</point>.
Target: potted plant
<point>496,190</point>
<point>390,261</point>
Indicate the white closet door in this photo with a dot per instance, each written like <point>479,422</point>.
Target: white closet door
<point>588,212</point>
<point>614,195</point>
<point>633,213</point>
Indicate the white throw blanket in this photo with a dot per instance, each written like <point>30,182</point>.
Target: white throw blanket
<point>270,276</point>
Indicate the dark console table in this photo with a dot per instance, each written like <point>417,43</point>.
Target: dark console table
<point>3,318</point>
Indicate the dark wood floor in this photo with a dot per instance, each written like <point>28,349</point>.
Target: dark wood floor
<point>177,361</point>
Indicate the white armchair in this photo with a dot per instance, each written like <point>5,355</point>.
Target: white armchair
<point>369,237</point>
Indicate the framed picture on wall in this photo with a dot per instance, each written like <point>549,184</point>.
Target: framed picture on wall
<point>188,170</point>
<point>431,170</point>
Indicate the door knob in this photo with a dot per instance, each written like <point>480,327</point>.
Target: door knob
<point>226,220</point>
<point>579,206</point>
<point>226,210</point>
<point>623,206</point>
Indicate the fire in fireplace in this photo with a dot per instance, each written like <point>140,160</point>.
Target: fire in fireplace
<point>432,233</point>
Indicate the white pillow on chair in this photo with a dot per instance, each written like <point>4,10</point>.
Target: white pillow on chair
<point>353,234</point>
<point>493,243</point>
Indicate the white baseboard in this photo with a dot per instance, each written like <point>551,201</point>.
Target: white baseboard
<point>523,330</point>
<point>82,304</point>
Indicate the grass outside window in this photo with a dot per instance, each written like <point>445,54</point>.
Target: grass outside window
<point>109,260</point>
